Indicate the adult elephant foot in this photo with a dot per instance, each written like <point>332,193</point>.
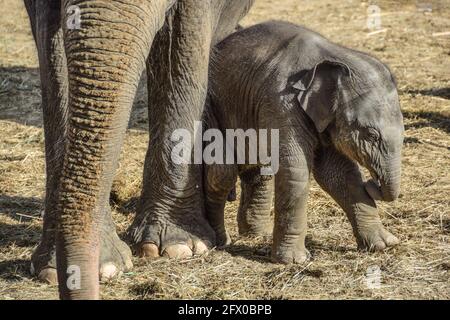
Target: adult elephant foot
<point>177,240</point>
<point>375,238</point>
<point>43,263</point>
<point>115,256</point>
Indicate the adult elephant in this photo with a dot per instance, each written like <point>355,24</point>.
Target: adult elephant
<point>91,56</point>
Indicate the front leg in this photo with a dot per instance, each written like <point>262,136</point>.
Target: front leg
<point>47,32</point>
<point>115,255</point>
<point>291,195</point>
<point>341,179</point>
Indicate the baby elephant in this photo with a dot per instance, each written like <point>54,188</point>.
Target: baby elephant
<point>333,107</point>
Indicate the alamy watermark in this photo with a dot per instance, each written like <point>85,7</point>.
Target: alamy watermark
<point>374,22</point>
<point>74,278</point>
<point>73,18</point>
<point>425,7</point>
<point>373,277</point>
<point>237,147</point>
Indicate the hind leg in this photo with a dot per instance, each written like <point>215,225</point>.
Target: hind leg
<point>219,182</point>
<point>256,202</point>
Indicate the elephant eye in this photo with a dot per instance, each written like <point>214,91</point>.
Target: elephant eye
<point>372,134</point>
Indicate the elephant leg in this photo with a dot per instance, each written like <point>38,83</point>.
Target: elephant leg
<point>343,181</point>
<point>291,194</point>
<point>114,254</point>
<point>45,22</point>
<point>171,219</point>
<point>105,59</point>
<point>256,201</point>
<point>219,182</point>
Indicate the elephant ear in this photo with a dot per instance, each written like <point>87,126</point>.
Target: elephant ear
<point>319,94</point>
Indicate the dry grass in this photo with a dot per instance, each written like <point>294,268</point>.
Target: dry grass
<point>418,268</point>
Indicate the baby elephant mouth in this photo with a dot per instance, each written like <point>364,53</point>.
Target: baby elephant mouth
<point>384,188</point>
<point>373,188</point>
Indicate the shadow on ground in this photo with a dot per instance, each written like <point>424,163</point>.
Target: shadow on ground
<point>21,208</point>
<point>19,235</point>
<point>15,270</point>
<point>433,92</point>
<point>427,119</point>
<point>261,252</point>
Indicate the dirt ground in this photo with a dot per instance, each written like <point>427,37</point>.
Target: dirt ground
<point>414,41</point>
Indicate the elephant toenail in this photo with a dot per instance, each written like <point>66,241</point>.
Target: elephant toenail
<point>379,246</point>
<point>201,247</point>
<point>128,264</point>
<point>149,250</point>
<point>49,276</point>
<point>178,251</point>
<point>392,240</point>
<point>108,271</point>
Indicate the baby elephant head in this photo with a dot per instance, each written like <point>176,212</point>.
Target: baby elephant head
<point>358,108</point>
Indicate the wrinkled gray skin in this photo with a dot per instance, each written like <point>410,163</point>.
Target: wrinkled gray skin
<point>89,78</point>
<point>335,108</point>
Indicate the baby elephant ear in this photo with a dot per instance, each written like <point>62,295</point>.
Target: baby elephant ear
<point>306,80</point>
<point>318,92</point>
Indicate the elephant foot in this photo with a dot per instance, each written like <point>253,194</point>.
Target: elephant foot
<point>115,258</point>
<point>48,276</point>
<point>223,239</point>
<point>43,263</point>
<point>256,229</point>
<point>290,255</point>
<point>176,241</point>
<point>375,238</point>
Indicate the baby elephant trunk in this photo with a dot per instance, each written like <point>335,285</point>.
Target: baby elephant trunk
<point>385,185</point>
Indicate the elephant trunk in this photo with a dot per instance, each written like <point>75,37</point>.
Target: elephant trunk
<point>106,55</point>
<point>390,181</point>
<point>385,185</point>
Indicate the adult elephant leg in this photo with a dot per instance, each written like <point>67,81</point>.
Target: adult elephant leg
<point>45,17</point>
<point>115,256</point>
<point>256,202</point>
<point>105,58</point>
<point>171,219</point>
<point>342,179</point>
